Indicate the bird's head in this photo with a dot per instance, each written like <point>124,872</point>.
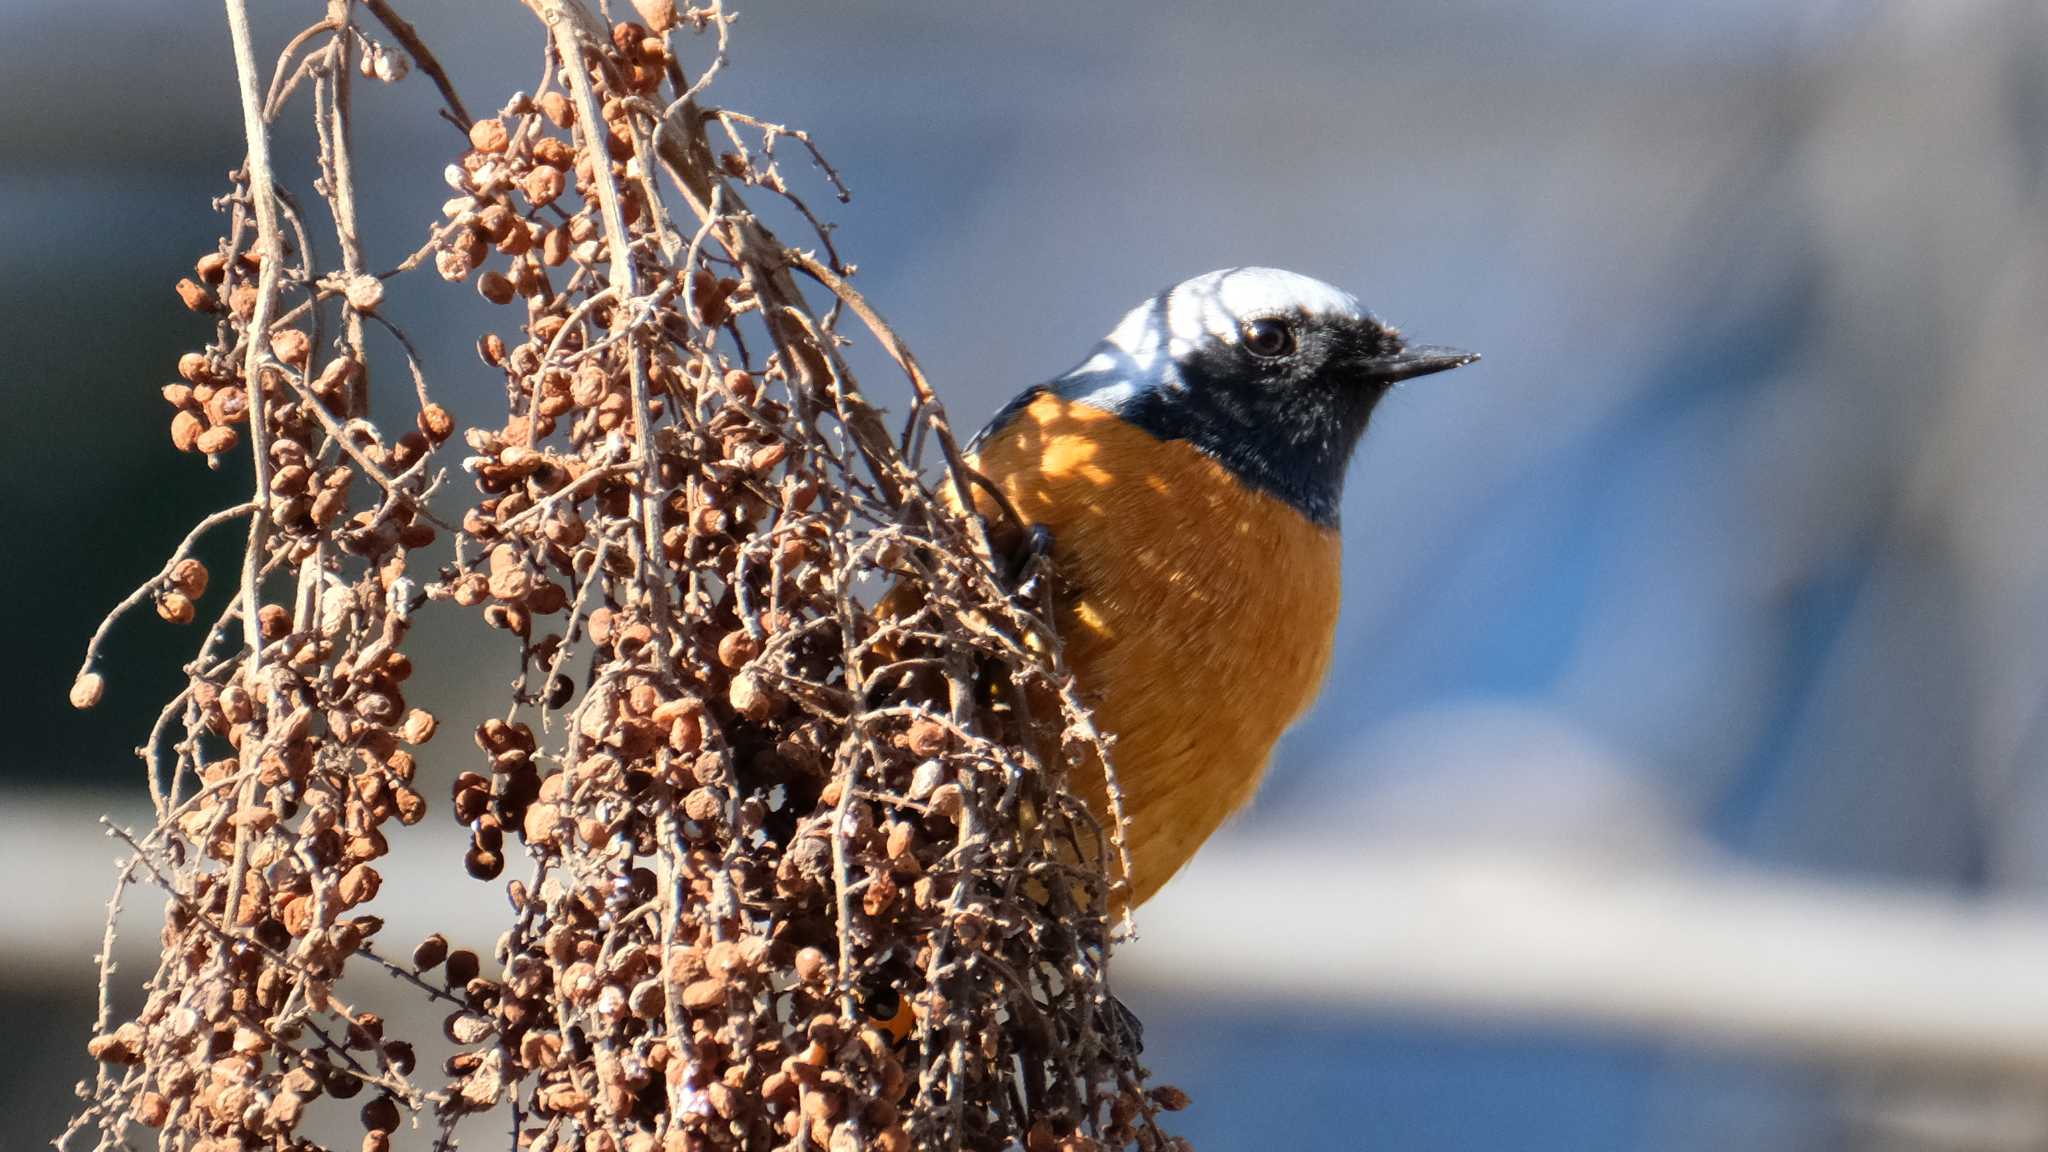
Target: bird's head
<point>1272,373</point>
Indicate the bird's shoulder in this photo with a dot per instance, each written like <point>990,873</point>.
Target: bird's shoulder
<point>1004,415</point>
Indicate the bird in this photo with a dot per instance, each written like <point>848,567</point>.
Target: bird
<point>1184,481</point>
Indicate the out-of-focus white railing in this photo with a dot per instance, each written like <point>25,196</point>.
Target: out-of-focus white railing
<point>1840,971</point>
<point>1843,972</point>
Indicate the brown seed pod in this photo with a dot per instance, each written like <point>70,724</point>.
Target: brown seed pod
<point>542,185</point>
<point>811,965</point>
<point>189,576</point>
<point>124,1045</point>
<point>435,422</point>
<point>737,647</point>
<point>520,237</point>
<point>660,15</point>
<point>291,345</point>
<point>926,738</point>
<point>686,733</point>
<point>947,800</point>
<point>562,1098</point>
<point>401,1055</point>
<point>742,385</point>
<point>554,152</point>
<point>902,839</point>
<point>751,697</point>
<point>555,247</point>
<point>467,1027</point>
<point>419,726</point>
<point>87,690</point>
<point>381,1115</point>
<point>704,806</point>
<point>297,916</point>
<point>186,428</point>
<point>580,983</point>
<point>489,135</point>
<point>214,441</point>
<point>364,293</point>
<point>408,449</point>
<point>527,279</point>
<point>483,863</point>
<point>152,1109</point>
<point>590,385</point>
<point>227,405</point>
<point>511,583</point>
<point>196,296</point>
<point>285,1111</point>
<point>410,805</point>
<point>358,885</point>
<point>453,265</point>
<point>557,109</point>
<point>493,286</point>
<point>765,458</point>
<point>339,373</point>
<point>176,607</point>
<point>703,994</point>
<point>1170,1098</point>
<point>463,966</point>
<point>547,598</point>
<point>274,621</point>
<point>495,222</point>
<point>542,826</point>
<point>470,800</point>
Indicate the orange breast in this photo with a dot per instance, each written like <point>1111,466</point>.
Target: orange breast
<point>1200,619</point>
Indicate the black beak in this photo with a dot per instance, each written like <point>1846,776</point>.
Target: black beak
<point>1417,360</point>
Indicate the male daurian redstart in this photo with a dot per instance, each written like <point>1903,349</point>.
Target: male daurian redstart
<point>1189,473</point>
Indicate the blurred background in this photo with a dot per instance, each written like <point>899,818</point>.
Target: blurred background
<point>1680,783</point>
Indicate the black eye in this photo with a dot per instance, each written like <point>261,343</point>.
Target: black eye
<point>1268,339</point>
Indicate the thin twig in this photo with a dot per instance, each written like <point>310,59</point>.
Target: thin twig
<point>415,47</point>
<point>142,592</point>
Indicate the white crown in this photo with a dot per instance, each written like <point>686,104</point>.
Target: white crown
<point>1214,308</point>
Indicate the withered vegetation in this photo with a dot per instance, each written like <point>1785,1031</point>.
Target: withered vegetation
<point>785,870</point>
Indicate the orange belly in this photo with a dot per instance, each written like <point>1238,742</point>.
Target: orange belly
<point>1199,617</point>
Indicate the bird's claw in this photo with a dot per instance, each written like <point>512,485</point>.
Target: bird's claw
<point>1030,561</point>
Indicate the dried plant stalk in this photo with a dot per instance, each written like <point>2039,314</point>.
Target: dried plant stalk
<point>800,869</point>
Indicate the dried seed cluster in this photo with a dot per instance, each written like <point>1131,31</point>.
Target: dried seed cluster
<point>279,767</point>
<point>791,861</point>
